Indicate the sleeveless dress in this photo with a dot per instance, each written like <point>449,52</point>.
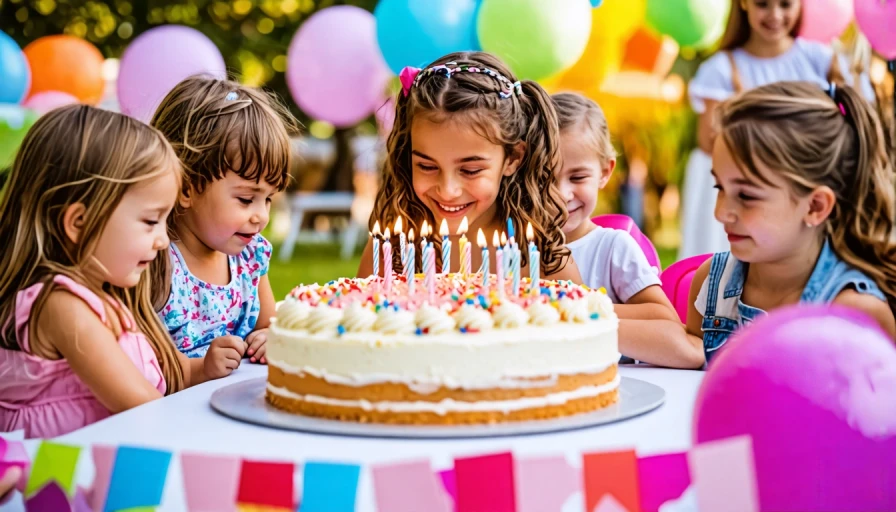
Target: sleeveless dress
<point>45,397</point>
<point>721,76</point>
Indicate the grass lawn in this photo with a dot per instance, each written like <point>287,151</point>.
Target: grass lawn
<point>319,263</point>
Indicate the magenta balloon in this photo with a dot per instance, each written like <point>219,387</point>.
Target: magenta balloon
<point>157,60</point>
<point>46,101</point>
<point>876,18</point>
<point>815,387</point>
<point>334,67</point>
<point>824,20</point>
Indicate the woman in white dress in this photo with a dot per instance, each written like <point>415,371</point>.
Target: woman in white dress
<point>760,46</point>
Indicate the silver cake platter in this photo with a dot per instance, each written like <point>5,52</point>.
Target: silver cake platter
<point>244,401</point>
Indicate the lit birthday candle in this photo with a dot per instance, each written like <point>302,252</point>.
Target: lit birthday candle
<point>402,243</point>
<point>508,255</point>
<point>483,244</point>
<point>446,247</point>
<point>430,276</point>
<point>409,263</point>
<point>424,232</point>
<point>376,248</point>
<point>387,262</point>
<point>499,264</point>
<point>534,260</point>
<point>464,248</point>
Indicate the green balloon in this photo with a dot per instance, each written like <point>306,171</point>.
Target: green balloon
<point>15,121</point>
<point>536,38</point>
<point>691,23</point>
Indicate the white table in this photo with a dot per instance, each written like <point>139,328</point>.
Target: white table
<point>186,422</point>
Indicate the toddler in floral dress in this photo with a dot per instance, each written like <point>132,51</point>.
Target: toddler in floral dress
<point>234,142</point>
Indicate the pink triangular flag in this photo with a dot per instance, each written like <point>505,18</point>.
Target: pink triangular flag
<point>408,487</point>
<point>662,478</point>
<point>81,503</point>
<point>210,482</point>
<point>545,483</point>
<point>485,484</point>
<point>449,483</point>
<point>723,473</point>
<point>609,504</point>
<point>103,462</point>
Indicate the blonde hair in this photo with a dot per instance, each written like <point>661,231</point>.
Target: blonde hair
<point>585,117</point>
<point>528,196</point>
<point>737,31</point>
<point>216,126</point>
<point>78,154</point>
<point>799,131</point>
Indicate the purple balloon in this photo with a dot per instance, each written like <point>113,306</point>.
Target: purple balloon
<point>334,67</point>
<point>815,387</point>
<point>157,60</point>
<point>46,101</point>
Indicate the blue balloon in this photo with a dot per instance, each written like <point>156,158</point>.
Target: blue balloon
<point>596,3</point>
<point>417,32</point>
<point>15,74</point>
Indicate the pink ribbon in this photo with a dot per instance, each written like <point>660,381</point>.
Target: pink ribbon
<point>407,76</point>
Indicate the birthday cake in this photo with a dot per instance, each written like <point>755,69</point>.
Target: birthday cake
<point>454,355</point>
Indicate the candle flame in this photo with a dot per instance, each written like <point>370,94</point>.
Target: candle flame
<point>480,238</point>
<point>530,234</point>
<point>398,225</point>
<point>496,241</point>
<point>462,229</point>
<point>424,229</point>
<point>387,235</point>
<point>376,228</point>
<point>503,238</point>
<point>443,229</point>
<point>411,235</point>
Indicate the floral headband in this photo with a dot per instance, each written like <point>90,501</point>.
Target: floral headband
<point>411,76</point>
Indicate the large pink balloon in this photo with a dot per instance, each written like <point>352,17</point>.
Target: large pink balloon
<point>46,101</point>
<point>157,60</point>
<point>334,67</point>
<point>877,18</point>
<point>823,20</point>
<point>815,387</point>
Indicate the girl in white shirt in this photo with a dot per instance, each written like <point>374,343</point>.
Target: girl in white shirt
<point>760,46</point>
<point>649,328</point>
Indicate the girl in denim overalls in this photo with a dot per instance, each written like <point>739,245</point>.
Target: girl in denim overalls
<point>806,196</point>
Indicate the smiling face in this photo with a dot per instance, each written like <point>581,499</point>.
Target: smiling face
<point>582,175</point>
<point>764,222</point>
<point>457,172</point>
<point>772,20</point>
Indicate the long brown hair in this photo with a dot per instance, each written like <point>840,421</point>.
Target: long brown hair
<point>799,131</point>
<point>528,196</point>
<point>78,154</point>
<point>216,126</point>
<point>737,31</point>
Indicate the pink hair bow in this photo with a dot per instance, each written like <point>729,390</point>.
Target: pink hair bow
<point>407,76</point>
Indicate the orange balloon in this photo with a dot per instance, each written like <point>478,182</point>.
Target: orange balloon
<point>66,64</point>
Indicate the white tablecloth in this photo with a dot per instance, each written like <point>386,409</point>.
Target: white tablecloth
<point>186,422</point>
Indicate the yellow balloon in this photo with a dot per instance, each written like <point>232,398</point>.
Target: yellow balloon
<point>617,19</point>
<point>551,84</point>
<point>602,57</point>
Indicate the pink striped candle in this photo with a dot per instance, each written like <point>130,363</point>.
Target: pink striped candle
<point>387,263</point>
<point>499,264</point>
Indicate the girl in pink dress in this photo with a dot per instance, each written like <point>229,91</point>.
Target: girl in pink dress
<point>81,217</point>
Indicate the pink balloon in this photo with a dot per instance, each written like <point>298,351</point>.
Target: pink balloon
<point>46,101</point>
<point>876,18</point>
<point>334,67</point>
<point>823,20</point>
<point>815,387</point>
<point>157,60</point>
<point>385,116</point>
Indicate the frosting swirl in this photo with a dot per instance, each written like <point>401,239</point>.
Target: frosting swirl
<point>510,315</point>
<point>323,318</point>
<point>433,320</point>
<point>358,318</point>
<point>292,314</point>
<point>389,321</point>
<point>471,317</point>
<point>598,302</point>
<point>543,314</point>
<point>574,310</point>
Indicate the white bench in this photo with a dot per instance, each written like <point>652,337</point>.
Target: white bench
<point>324,202</point>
